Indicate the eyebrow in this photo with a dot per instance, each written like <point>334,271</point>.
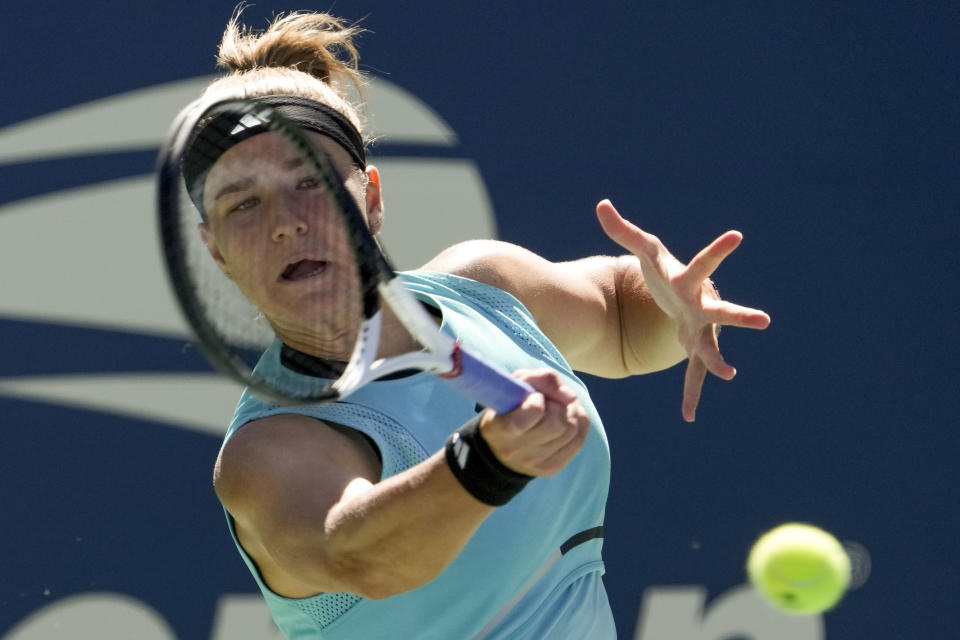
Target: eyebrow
<point>233,187</point>
<point>245,183</point>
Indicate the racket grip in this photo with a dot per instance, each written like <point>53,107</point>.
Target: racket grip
<point>488,384</point>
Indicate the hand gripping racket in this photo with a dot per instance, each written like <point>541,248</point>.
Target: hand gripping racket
<point>287,251</point>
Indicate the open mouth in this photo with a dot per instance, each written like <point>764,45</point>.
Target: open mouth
<point>303,269</point>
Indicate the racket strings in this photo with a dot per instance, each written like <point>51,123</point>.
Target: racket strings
<point>295,258</point>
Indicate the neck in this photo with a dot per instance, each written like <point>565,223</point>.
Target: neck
<point>394,340</point>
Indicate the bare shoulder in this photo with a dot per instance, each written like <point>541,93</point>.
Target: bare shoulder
<point>573,302</point>
<point>266,457</point>
<point>278,478</point>
<point>499,264</point>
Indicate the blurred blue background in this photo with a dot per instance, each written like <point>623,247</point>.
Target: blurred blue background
<point>826,132</point>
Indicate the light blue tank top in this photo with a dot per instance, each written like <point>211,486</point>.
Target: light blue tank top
<point>533,568</point>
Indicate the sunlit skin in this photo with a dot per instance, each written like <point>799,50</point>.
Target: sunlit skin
<point>267,213</point>
<point>272,230</point>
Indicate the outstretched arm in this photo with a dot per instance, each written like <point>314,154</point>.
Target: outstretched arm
<point>310,510</point>
<point>687,296</point>
<point>619,316</point>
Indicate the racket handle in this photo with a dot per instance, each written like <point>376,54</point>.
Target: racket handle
<point>486,383</point>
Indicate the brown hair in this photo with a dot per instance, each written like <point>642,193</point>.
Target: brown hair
<point>312,55</point>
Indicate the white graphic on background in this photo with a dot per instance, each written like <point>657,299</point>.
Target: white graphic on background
<point>89,256</point>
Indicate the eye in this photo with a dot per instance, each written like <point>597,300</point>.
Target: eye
<point>310,182</point>
<point>244,205</point>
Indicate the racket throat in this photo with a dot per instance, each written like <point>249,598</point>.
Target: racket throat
<point>456,362</point>
<point>356,372</point>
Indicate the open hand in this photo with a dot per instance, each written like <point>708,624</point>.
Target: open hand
<point>686,294</point>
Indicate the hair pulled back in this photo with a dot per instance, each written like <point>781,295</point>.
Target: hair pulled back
<point>311,55</point>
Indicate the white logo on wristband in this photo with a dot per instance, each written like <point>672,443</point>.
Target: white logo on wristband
<point>461,450</point>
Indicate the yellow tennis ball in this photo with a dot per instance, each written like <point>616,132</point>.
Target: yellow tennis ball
<point>799,568</point>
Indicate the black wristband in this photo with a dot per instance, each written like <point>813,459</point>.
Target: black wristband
<point>478,470</point>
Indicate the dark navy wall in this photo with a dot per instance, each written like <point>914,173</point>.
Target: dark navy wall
<point>826,132</point>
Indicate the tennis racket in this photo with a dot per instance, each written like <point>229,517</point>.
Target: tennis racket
<point>281,248</point>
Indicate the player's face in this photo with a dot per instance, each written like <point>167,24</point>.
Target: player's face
<point>273,230</point>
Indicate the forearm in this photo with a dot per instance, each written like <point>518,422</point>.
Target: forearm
<point>597,311</point>
<point>398,534</point>
<point>404,531</point>
<point>648,337</point>
<point>310,510</point>
<point>620,330</point>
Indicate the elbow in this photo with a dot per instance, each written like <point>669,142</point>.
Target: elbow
<point>379,579</point>
<point>381,568</point>
<point>313,570</point>
<point>377,590</point>
<point>366,581</point>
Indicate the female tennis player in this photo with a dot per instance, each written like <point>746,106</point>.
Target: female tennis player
<point>366,518</point>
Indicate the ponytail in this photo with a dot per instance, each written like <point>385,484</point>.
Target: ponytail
<point>310,55</point>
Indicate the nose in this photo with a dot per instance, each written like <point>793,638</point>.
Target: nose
<point>288,222</point>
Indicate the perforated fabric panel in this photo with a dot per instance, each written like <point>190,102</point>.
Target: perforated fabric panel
<point>513,317</point>
<point>404,451</point>
<point>325,608</point>
<point>399,449</point>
